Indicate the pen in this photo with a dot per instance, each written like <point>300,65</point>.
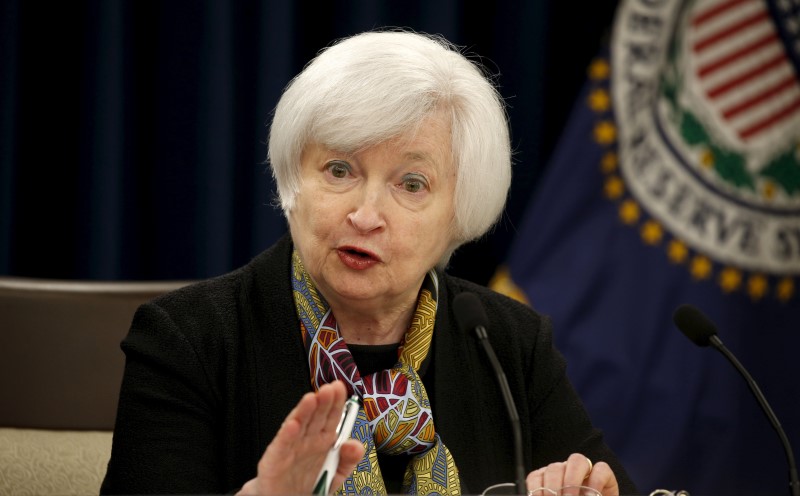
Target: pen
<point>343,430</point>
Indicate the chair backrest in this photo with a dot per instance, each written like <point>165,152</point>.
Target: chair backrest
<point>60,373</point>
<point>60,361</point>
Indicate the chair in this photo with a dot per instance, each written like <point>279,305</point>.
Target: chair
<point>60,373</point>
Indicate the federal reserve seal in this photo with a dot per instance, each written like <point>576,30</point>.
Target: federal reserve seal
<point>706,100</point>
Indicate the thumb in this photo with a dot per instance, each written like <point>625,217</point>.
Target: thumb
<point>350,453</point>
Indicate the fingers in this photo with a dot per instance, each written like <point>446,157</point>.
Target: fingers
<point>325,417</point>
<point>351,452</point>
<point>316,414</point>
<point>534,479</point>
<point>553,479</point>
<point>250,487</point>
<point>294,457</point>
<point>577,470</point>
<point>603,479</point>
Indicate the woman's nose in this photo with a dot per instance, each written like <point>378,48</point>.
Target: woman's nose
<point>368,212</point>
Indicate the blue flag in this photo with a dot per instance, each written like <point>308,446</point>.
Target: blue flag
<point>677,180</point>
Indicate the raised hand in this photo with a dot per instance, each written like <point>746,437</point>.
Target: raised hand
<point>292,461</point>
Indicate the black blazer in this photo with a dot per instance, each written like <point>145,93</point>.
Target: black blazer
<point>213,369</point>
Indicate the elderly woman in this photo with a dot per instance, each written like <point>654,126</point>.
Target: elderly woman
<point>390,150</point>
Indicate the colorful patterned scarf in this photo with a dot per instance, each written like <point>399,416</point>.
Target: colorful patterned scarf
<point>396,414</point>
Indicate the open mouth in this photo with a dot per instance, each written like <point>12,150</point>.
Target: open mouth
<point>356,258</point>
<point>357,253</point>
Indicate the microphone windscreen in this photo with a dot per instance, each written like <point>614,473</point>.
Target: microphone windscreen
<point>694,324</point>
<point>469,312</point>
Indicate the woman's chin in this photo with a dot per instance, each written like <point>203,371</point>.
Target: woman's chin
<point>357,292</point>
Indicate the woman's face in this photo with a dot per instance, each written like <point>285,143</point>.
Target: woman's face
<point>369,225</point>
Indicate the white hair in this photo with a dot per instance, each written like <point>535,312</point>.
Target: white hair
<point>378,85</point>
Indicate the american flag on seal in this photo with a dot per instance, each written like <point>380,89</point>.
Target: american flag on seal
<point>745,61</point>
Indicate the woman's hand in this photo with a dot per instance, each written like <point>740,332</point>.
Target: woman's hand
<point>293,459</point>
<point>578,470</point>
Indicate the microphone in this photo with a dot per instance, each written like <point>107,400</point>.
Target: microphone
<point>699,328</point>
<point>471,316</point>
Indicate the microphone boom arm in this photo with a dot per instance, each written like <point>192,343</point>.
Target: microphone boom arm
<point>716,343</point>
<point>513,415</point>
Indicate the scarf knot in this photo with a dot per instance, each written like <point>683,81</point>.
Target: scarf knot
<point>396,416</point>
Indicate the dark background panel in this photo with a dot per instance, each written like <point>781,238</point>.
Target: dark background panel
<point>133,134</point>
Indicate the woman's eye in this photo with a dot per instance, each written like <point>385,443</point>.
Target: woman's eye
<point>413,184</point>
<point>338,169</point>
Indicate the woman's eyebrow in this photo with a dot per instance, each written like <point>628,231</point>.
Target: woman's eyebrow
<point>419,156</point>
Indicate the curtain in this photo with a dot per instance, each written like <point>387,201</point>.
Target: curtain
<point>133,133</point>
